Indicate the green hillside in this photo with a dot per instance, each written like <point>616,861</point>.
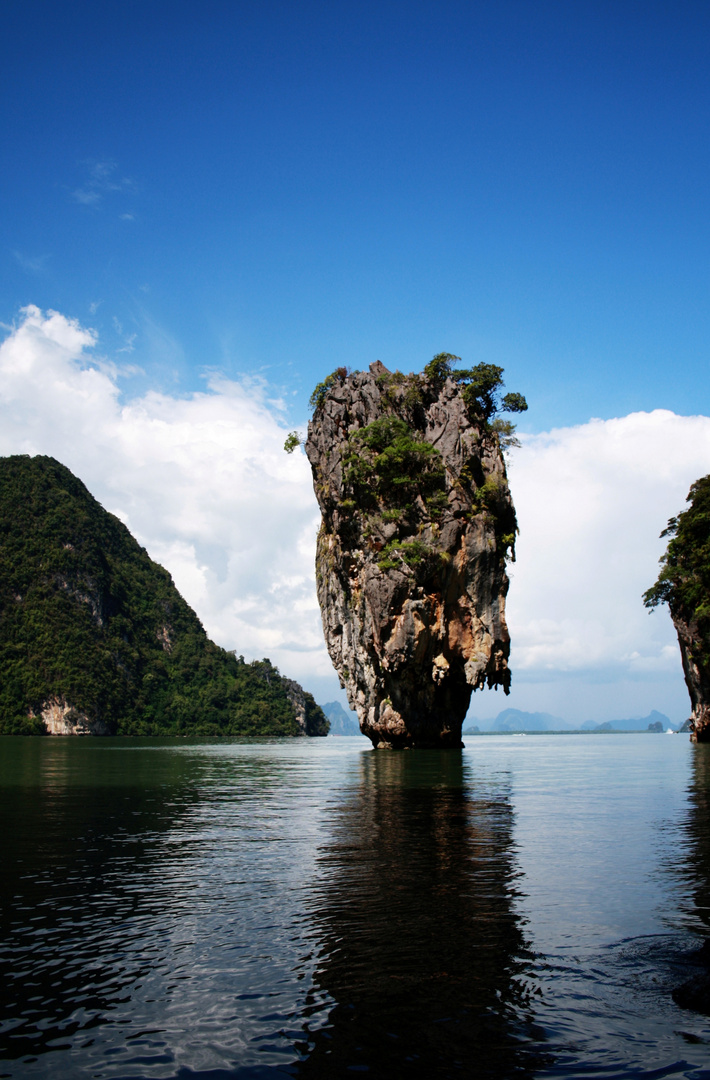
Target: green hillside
<point>89,621</point>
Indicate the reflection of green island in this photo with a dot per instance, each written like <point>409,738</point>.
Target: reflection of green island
<point>95,638</point>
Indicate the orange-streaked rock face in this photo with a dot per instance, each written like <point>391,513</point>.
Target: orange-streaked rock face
<point>60,718</point>
<point>411,556</point>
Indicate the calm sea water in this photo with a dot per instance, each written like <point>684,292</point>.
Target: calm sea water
<point>233,909</point>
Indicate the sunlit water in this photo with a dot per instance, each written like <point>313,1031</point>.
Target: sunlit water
<point>312,908</point>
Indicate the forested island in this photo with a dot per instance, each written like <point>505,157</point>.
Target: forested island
<point>684,584</point>
<point>95,638</point>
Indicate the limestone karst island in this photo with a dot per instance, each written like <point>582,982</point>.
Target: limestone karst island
<point>417,526</point>
<point>684,584</point>
<point>96,639</point>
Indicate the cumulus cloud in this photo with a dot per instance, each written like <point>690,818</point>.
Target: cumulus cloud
<point>591,502</point>
<point>202,481</point>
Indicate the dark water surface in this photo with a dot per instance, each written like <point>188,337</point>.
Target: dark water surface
<point>241,909</point>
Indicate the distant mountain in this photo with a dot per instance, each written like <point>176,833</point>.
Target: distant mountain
<point>96,639</point>
<point>643,723</point>
<point>341,722</point>
<point>511,720</point>
<point>517,720</point>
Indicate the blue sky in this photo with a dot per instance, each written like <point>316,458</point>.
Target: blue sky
<point>235,190</point>
<point>286,187</point>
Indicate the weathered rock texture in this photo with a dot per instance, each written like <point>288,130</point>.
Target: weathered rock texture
<point>309,716</point>
<point>61,718</point>
<point>417,522</point>
<point>693,652</point>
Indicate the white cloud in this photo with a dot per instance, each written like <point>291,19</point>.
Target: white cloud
<point>202,481</point>
<point>591,502</point>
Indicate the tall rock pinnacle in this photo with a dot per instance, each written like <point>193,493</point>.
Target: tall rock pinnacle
<point>417,523</point>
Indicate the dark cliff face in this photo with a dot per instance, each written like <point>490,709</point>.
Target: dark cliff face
<point>417,522</point>
<point>696,669</point>
<point>310,717</point>
<point>684,584</point>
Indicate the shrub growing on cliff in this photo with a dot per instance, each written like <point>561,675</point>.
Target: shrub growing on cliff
<point>481,386</point>
<point>440,367</point>
<point>319,394</point>
<point>293,439</point>
<point>388,461</point>
<point>412,552</point>
<point>481,392</point>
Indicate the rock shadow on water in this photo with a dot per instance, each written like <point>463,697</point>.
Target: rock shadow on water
<point>420,946</point>
<point>693,992</point>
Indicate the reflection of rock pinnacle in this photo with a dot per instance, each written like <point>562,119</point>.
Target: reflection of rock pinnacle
<point>417,521</point>
<point>420,946</point>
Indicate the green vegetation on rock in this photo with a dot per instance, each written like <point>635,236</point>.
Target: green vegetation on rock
<point>684,580</point>
<point>89,620</point>
<point>389,462</point>
<point>293,439</point>
<point>318,396</point>
<point>392,474</point>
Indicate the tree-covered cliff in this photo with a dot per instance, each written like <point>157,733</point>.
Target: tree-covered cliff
<point>95,637</point>
<point>684,584</point>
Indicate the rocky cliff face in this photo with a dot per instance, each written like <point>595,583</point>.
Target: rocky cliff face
<point>61,718</point>
<point>311,719</point>
<point>697,678</point>
<point>417,522</point>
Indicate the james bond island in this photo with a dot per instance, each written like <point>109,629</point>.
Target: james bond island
<point>417,525</point>
<point>684,584</point>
